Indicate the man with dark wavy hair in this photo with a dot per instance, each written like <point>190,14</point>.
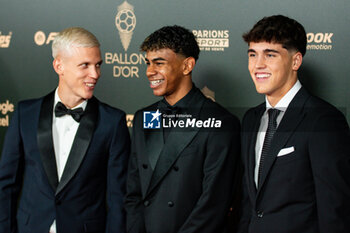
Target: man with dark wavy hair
<point>181,179</point>
<point>295,146</point>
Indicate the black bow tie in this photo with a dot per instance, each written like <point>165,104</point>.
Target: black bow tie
<point>61,110</point>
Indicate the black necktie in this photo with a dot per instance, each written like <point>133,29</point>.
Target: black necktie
<point>271,129</point>
<point>61,110</point>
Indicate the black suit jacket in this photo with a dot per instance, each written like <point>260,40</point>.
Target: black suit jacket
<point>307,190</point>
<point>94,174</point>
<point>190,189</point>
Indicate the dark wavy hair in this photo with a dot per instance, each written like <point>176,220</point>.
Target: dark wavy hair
<point>178,39</point>
<point>279,29</point>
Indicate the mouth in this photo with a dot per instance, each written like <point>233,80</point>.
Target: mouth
<point>90,85</point>
<point>262,76</point>
<point>156,83</point>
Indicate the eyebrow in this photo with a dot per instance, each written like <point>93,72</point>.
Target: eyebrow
<point>156,59</point>
<point>86,62</point>
<point>265,51</point>
<point>270,51</point>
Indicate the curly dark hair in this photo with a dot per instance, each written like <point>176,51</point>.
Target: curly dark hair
<point>177,38</point>
<point>279,29</point>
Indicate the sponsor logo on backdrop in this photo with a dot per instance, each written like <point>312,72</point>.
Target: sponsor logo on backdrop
<point>5,40</point>
<point>157,120</point>
<point>5,108</point>
<point>125,21</point>
<point>208,93</point>
<point>212,40</point>
<point>40,38</point>
<point>125,64</point>
<point>319,41</point>
<point>129,119</point>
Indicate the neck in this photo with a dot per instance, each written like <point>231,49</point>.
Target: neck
<point>173,98</point>
<point>276,97</point>
<point>69,102</point>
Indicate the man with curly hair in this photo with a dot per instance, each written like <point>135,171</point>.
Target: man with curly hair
<point>295,146</point>
<point>181,179</point>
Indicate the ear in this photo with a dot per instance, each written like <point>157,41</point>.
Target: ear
<point>58,66</point>
<point>189,64</point>
<point>297,60</point>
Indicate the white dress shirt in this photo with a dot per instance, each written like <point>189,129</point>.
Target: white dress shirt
<point>282,105</point>
<point>64,129</point>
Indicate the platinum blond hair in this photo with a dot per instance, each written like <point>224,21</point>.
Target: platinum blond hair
<point>73,36</point>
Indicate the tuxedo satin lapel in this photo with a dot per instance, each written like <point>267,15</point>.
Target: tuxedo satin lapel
<point>291,119</point>
<point>153,145</point>
<point>45,140</point>
<point>81,143</point>
<point>177,141</point>
<point>253,132</point>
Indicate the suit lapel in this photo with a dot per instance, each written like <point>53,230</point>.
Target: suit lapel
<point>177,140</point>
<point>153,139</point>
<point>154,146</point>
<point>81,143</point>
<point>45,140</point>
<point>251,141</point>
<point>291,119</point>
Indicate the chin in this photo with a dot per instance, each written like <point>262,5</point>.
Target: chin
<point>261,91</point>
<point>89,96</point>
<point>158,93</point>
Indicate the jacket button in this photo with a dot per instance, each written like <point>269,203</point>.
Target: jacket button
<point>146,203</point>
<point>176,168</point>
<point>260,214</point>
<point>170,204</point>
<point>145,166</point>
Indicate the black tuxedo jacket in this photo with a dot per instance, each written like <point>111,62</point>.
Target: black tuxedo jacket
<point>307,188</point>
<point>190,188</point>
<point>94,174</point>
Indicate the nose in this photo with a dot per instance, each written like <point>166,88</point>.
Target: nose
<point>260,62</point>
<point>95,72</point>
<point>150,70</point>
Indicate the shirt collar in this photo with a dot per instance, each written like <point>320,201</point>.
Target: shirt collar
<point>57,99</point>
<point>184,102</point>
<point>283,104</point>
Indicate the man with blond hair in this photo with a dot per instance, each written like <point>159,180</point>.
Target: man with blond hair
<point>64,158</point>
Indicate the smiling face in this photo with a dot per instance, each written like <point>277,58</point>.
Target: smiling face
<point>78,71</point>
<point>169,74</point>
<point>273,69</point>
